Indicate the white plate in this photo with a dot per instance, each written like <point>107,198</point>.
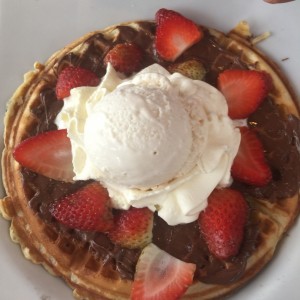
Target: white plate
<point>32,30</point>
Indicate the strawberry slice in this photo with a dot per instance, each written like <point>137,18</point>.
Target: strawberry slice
<point>160,276</point>
<point>125,58</point>
<point>249,165</point>
<point>244,90</point>
<point>132,228</point>
<point>174,34</point>
<point>72,77</point>
<point>223,221</point>
<point>48,154</point>
<point>87,209</point>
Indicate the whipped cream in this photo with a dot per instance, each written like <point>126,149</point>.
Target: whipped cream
<point>155,140</point>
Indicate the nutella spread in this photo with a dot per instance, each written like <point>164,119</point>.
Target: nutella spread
<point>280,136</point>
<point>182,241</point>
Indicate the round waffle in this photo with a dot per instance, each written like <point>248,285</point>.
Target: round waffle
<point>89,276</point>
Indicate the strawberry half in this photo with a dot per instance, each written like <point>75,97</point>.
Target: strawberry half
<point>244,91</point>
<point>160,276</point>
<point>87,209</point>
<point>192,69</point>
<point>223,221</point>
<point>174,34</point>
<point>249,165</point>
<point>125,58</point>
<point>132,228</point>
<point>48,154</point>
<point>72,77</point>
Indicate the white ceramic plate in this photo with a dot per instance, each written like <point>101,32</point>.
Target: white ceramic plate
<point>32,30</point>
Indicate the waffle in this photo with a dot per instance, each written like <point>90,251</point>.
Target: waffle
<point>60,254</point>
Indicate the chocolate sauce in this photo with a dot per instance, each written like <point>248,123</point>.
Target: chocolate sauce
<point>278,132</point>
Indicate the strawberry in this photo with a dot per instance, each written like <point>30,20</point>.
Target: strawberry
<point>132,228</point>
<point>125,58</point>
<point>87,209</point>
<point>244,90</point>
<point>249,165</point>
<point>48,154</point>
<point>72,77</point>
<point>223,221</point>
<point>160,276</point>
<point>192,68</point>
<point>174,34</point>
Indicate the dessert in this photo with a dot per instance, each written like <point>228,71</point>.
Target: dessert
<point>91,259</point>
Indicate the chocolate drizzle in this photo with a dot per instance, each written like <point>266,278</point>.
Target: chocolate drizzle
<point>278,132</point>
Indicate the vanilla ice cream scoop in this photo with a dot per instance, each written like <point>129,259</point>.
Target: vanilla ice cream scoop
<point>155,140</point>
<point>139,136</point>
